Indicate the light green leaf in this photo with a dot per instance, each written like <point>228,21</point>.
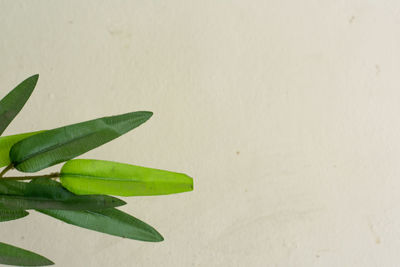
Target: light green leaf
<point>85,176</point>
<point>11,255</point>
<point>109,221</point>
<point>15,100</point>
<point>54,146</point>
<point>36,195</point>
<point>6,142</point>
<point>9,215</point>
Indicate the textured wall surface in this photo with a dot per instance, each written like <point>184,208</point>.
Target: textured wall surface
<point>286,113</point>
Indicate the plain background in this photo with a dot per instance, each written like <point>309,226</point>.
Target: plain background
<point>285,113</point>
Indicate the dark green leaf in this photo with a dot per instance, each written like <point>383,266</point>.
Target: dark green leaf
<point>12,103</point>
<point>9,215</point>
<point>17,256</point>
<point>61,144</point>
<point>109,221</point>
<point>37,195</point>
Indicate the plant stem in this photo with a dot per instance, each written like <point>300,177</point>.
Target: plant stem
<point>51,175</point>
<point>9,167</point>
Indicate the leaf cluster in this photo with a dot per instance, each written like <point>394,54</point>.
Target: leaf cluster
<point>83,192</point>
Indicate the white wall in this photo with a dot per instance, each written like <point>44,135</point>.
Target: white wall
<point>286,113</point>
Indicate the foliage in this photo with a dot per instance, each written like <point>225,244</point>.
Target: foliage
<point>81,197</point>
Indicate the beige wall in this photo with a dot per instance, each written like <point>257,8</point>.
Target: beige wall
<point>286,113</point>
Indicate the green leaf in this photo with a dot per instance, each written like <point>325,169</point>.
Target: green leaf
<point>37,195</point>
<point>12,103</point>
<point>6,142</point>
<point>109,221</point>
<point>9,215</point>
<point>17,256</point>
<point>85,176</point>
<point>54,146</point>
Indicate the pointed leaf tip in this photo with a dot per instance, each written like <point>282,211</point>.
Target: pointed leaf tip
<point>34,77</point>
<point>12,255</point>
<point>118,202</point>
<point>157,237</point>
